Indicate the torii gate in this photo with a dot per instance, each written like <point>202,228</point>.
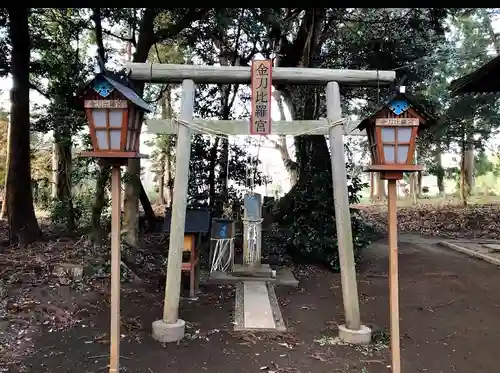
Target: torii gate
<point>171,328</point>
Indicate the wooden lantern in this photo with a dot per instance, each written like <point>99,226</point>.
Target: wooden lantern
<point>115,114</point>
<point>392,135</point>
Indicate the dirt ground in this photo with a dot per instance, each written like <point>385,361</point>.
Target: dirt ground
<point>449,323</point>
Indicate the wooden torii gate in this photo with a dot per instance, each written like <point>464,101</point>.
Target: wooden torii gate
<point>171,328</point>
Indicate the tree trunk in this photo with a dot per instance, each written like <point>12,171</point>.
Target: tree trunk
<point>281,145</point>
<point>372,185</point>
<point>146,39</point>
<point>439,172</point>
<point>169,187</point>
<point>160,197</point>
<point>304,102</point>
<point>130,226</point>
<point>146,203</point>
<point>491,31</point>
<point>212,164</point>
<point>53,186</point>
<point>166,112</point>
<point>99,201</point>
<point>469,165</point>
<point>21,213</point>
<point>225,110</point>
<point>464,192</point>
<point>380,192</point>
<point>413,187</point>
<point>133,185</point>
<point>104,170</point>
<point>63,181</point>
<point>419,183</point>
<point>3,213</point>
<point>223,177</point>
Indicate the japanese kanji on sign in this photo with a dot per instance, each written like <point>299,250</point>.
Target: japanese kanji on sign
<point>261,81</point>
<point>388,122</point>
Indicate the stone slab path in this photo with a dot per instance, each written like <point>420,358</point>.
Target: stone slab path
<point>489,252</point>
<point>257,308</point>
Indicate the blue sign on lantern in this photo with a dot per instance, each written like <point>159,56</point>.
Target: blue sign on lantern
<point>399,106</point>
<point>102,87</point>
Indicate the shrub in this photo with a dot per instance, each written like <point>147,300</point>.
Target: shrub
<point>305,222</point>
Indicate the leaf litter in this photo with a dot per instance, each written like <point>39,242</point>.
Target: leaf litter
<point>474,221</point>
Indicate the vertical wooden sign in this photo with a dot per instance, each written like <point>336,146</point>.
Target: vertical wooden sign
<point>261,83</point>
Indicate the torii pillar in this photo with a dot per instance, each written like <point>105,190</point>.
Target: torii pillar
<point>352,331</point>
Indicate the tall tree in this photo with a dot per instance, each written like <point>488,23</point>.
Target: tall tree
<point>59,61</point>
<point>222,42</point>
<point>4,123</point>
<point>164,145</point>
<point>355,38</point>
<point>466,122</point>
<point>21,214</point>
<point>139,28</point>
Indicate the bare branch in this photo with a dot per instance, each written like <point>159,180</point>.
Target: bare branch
<point>39,90</point>
<point>101,51</point>
<point>120,37</point>
<point>274,142</point>
<point>192,15</point>
<point>157,53</point>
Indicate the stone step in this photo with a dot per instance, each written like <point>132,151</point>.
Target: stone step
<point>261,270</point>
<point>284,277</point>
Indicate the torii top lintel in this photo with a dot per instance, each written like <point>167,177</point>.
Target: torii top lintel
<point>170,73</point>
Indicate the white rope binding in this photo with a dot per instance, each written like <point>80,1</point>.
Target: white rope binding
<point>223,257</point>
<point>329,123</point>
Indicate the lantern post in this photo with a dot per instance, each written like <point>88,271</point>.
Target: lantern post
<point>114,113</point>
<point>392,133</point>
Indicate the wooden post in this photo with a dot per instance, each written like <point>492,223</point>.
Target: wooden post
<point>176,242</point>
<point>393,276</point>
<point>342,213</point>
<point>114,354</point>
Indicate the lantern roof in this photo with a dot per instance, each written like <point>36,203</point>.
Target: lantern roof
<point>398,104</point>
<point>482,80</point>
<point>105,83</point>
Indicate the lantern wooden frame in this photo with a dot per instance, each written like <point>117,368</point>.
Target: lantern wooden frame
<point>114,115</point>
<point>380,138</point>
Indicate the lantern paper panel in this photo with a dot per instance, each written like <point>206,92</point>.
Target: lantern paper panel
<point>404,134</point>
<point>388,134</point>
<point>396,153</point>
<point>389,153</point>
<point>108,127</point>
<point>402,154</point>
<point>133,129</point>
<point>396,136</point>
